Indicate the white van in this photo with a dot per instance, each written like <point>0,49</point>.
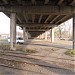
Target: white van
<point>18,40</point>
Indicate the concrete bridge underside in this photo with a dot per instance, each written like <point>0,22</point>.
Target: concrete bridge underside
<point>37,16</point>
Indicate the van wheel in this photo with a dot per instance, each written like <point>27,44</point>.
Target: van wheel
<point>18,43</point>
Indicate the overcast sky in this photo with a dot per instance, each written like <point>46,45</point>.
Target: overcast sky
<point>5,24</point>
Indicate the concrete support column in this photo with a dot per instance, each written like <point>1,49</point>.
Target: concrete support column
<point>52,35</point>
<point>24,30</point>
<point>12,31</point>
<point>74,32</point>
<point>40,36</point>
<point>45,35</point>
<point>27,35</point>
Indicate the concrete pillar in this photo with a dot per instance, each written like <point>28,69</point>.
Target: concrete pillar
<point>12,31</point>
<point>24,30</point>
<point>27,35</point>
<point>40,36</point>
<point>74,32</point>
<point>45,35</point>
<point>52,35</point>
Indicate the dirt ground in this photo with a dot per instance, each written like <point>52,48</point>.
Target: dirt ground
<point>49,60</point>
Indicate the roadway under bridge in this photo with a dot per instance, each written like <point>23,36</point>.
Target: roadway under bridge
<point>37,16</point>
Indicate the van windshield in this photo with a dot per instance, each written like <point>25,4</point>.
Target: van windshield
<point>19,38</point>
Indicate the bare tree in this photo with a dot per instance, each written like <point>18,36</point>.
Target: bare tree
<point>64,30</point>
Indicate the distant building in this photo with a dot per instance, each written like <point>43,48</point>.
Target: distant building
<point>4,36</point>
